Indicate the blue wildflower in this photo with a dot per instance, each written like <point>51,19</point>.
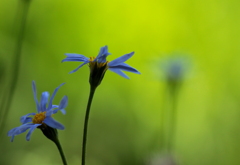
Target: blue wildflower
<point>99,65</point>
<point>174,68</point>
<point>43,118</point>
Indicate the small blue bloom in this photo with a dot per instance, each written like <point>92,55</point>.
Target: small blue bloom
<point>43,117</point>
<point>175,68</point>
<point>99,65</point>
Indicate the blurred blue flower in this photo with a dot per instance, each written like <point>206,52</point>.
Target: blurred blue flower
<point>99,65</point>
<point>175,68</point>
<point>43,117</point>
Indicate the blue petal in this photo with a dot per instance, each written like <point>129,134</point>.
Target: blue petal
<point>119,72</point>
<point>79,67</point>
<point>24,119</point>
<point>102,55</point>
<point>63,103</point>
<point>103,51</point>
<point>18,130</point>
<point>75,57</point>
<point>120,60</point>
<point>44,100</point>
<point>35,95</point>
<point>126,67</point>
<point>53,123</point>
<point>27,120</point>
<point>33,127</point>
<point>11,132</point>
<point>56,110</point>
<point>53,95</point>
<point>49,113</point>
<point>63,111</point>
<point>54,106</point>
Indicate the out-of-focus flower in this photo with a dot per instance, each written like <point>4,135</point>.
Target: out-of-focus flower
<point>43,118</point>
<point>99,65</point>
<point>174,69</point>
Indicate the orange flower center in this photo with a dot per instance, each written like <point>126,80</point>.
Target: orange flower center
<point>38,118</point>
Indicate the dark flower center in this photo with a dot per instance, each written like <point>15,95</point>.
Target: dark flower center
<point>97,71</point>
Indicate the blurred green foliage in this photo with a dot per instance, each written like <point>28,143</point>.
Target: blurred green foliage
<point>125,118</point>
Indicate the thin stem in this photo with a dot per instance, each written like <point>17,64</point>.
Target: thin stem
<point>163,119</point>
<point>60,151</point>
<point>85,129</point>
<point>16,65</point>
<point>173,117</point>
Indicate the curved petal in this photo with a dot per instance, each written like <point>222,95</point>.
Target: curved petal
<point>119,72</point>
<point>35,95</point>
<point>53,95</point>
<point>33,127</point>
<point>56,110</point>
<point>120,60</point>
<point>103,51</point>
<point>54,106</point>
<point>75,57</point>
<point>49,113</point>
<point>79,67</point>
<point>18,130</point>
<point>126,67</point>
<point>27,120</point>
<point>11,132</point>
<point>25,117</point>
<point>63,111</point>
<point>102,55</point>
<point>53,123</point>
<point>63,103</point>
<point>43,101</point>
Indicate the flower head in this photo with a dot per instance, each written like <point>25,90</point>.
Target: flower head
<point>99,65</point>
<point>43,118</point>
<point>174,68</point>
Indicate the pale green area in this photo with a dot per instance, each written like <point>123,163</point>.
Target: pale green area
<point>125,116</point>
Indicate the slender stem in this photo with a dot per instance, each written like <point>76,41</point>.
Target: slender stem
<point>85,129</point>
<point>60,151</point>
<point>163,119</point>
<point>15,65</point>
<point>172,117</point>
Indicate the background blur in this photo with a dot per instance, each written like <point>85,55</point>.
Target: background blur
<point>125,118</point>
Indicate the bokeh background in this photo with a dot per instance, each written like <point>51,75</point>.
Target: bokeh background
<point>125,119</point>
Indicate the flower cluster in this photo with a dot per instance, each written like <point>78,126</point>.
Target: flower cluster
<point>46,109</point>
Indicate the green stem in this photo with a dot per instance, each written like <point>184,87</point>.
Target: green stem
<point>6,103</point>
<point>173,117</point>
<point>163,118</point>
<point>84,142</point>
<point>60,151</point>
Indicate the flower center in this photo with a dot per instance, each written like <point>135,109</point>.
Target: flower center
<point>96,64</point>
<point>97,71</point>
<point>38,118</point>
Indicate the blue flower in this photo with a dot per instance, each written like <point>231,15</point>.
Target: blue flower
<point>43,117</point>
<point>175,68</point>
<point>99,65</point>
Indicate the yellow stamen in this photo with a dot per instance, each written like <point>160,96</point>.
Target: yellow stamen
<point>91,59</point>
<point>38,118</point>
<point>96,64</point>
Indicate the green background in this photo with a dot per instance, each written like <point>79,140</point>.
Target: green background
<point>125,118</point>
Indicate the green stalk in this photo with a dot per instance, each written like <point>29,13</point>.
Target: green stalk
<point>84,142</point>
<point>171,131</point>
<point>61,151</point>
<point>7,99</point>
